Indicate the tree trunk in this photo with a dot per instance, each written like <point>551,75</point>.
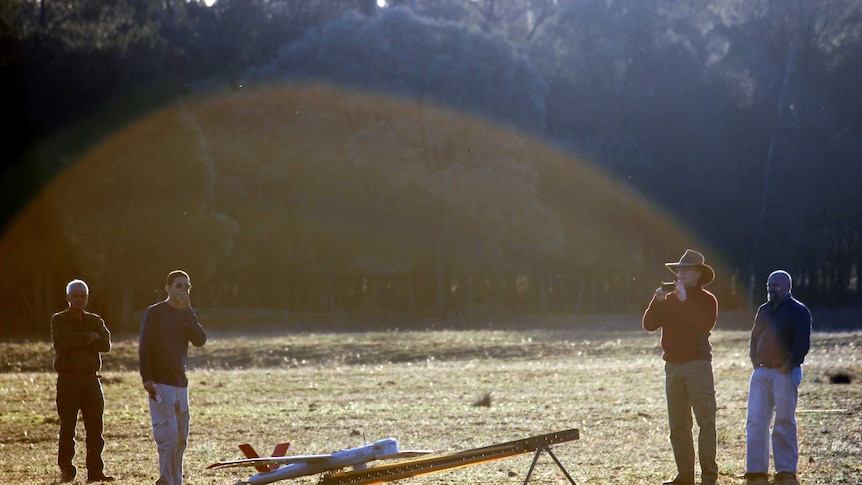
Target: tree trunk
<point>126,309</point>
<point>439,276</point>
<point>775,139</point>
<point>469,289</point>
<point>411,296</point>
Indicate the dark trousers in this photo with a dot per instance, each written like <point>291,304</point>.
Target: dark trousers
<point>80,394</point>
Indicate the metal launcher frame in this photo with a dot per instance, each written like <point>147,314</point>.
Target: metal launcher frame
<point>434,464</point>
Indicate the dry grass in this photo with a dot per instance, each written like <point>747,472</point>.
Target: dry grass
<point>332,391</point>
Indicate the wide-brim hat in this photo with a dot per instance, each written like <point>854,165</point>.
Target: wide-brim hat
<point>693,259</point>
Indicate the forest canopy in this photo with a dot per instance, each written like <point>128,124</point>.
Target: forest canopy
<point>427,156</point>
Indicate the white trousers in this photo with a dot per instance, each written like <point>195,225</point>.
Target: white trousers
<point>170,419</point>
<point>772,394</point>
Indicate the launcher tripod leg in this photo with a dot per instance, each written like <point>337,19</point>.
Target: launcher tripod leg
<point>556,460</point>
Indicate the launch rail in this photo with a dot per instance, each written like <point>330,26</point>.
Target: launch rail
<point>435,464</point>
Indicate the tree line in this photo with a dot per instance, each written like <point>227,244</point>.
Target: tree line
<point>429,156</point>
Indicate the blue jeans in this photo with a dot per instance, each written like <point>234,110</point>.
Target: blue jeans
<point>690,387</point>
<point>170,419</point>
<point>772,394</point>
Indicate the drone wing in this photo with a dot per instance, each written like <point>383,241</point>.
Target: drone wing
<point>268,461</point>
<point>406,454</point>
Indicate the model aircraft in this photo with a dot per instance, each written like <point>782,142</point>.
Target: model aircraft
<point>280,467</point>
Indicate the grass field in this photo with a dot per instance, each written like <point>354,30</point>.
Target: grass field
<point>447,391</point>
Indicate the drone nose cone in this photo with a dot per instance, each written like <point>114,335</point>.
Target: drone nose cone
<point>385,447</point>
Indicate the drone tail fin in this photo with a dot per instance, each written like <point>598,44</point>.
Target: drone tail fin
<point>248,451</point>
<point>279,451</point>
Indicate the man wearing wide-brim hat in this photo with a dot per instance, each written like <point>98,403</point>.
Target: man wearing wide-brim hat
<point>686,315</point>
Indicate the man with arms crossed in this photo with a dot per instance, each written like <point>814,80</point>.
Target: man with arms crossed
<point>167,328</point>
<point>780,340</point>
<point>686,315</point>
<point>79,337</point>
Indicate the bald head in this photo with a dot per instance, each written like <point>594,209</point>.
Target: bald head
<point>778,286</point>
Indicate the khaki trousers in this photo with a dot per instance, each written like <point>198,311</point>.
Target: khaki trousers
<point>690,387</point>
<point>170,419</point>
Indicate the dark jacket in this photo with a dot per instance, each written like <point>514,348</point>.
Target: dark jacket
<point>72,354</point>
<point>685,325</point>
<point>782,334</point>
<point>164,342</point>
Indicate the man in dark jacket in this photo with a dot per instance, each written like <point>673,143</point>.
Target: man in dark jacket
<point>167,327</point>
<point>686,315</point>
<point>780,340</point>
<point>79,337</point>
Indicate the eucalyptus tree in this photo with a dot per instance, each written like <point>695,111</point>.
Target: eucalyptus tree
<point>133,208</point>
<point>788,63</point>
<point>432,61</point>
<point>401,53</point>
<point>728,113</point>
<point>516,20</point>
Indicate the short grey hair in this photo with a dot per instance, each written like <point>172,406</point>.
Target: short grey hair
<point>76,282</point>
